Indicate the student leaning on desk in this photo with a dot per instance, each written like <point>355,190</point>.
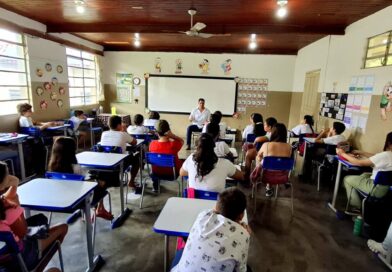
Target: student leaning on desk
<point>25,120</point>
<point>379,162</point>
<point>332,136</point>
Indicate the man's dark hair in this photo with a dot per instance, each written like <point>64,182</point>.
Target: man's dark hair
<point>213,129</point>
<point>339,127</point>
<point>114,121</point>
<point>231,203</point>
<point>201,99</point>
<point>138,119</point>
<point>78,113</point>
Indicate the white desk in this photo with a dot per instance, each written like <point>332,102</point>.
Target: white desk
<point>18,139</point>
<point>61,196</point>
<point>61,127</point>
<point>332,205</point>
<point>107,162</point>
<point>177,218</point>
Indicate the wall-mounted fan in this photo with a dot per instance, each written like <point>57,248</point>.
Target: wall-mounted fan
<point>194,31</point>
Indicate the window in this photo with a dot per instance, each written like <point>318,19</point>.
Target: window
<point>379,51</point>
<point>82,77</point>
<point>14,88</point>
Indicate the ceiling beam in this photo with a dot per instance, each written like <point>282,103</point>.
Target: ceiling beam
<point>272,51</point>
<point>211,28</point>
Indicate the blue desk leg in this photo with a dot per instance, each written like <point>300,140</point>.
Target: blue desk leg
<point>166,254</point>
<point>125,212</point>
<point>94,262</point>
<point>332,205</point>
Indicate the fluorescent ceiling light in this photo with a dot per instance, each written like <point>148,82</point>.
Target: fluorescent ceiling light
<point>282,12</point>
<point>80,9</point>
<point>252,45</point>
<point>136,43</point>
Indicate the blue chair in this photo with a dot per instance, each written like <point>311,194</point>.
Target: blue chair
<point>250,138</point>
<point>73,133</point>
<point>200,194</point>
<point>275,171</point>
<point>36,133</point>
<point>77,177</point>
<point>382,178</point>
<point>16,260</point>
<point>160,160</point>
<point>152,128</point>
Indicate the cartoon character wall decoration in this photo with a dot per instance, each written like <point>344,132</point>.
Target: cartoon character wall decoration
<point>48,86</point>
<point>39,91</point>
<point>60,103</point>
<point>53,96</point>
<point>43,104</point>
<point>386,100</point>
<point>178,66</point>
<point>204,66</point>
<point>226,66</point>
<point>158,65</point>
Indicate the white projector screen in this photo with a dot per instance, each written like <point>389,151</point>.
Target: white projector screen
<point>180,94</point>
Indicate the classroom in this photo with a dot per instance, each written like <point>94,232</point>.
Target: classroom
<point>195,135</point>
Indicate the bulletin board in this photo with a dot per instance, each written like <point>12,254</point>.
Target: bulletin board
<point>252,92</point>
<point>333,105</point>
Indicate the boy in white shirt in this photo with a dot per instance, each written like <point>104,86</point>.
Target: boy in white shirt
<point>138,128</point>
<point>333,135</point>
<point>219,240</point>
<point>116,137</point>
<point>25,120</point>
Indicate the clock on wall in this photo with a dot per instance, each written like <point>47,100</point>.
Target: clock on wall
<point>136,81</point>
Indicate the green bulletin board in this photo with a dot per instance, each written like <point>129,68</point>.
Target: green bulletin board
<point>124,87</point>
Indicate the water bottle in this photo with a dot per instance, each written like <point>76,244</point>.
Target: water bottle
<point>114,112</point>
<point>358,226</point>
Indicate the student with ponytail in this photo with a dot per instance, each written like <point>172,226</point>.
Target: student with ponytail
<point>205,170</point>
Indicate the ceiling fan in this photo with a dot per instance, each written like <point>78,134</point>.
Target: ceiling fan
<point>194,31</point>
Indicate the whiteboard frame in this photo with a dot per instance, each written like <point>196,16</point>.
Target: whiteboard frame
<point>201,77</point>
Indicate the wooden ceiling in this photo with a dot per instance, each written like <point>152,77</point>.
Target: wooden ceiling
<point>112,23</point>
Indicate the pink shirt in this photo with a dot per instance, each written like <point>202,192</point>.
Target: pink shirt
<point>11,215</point>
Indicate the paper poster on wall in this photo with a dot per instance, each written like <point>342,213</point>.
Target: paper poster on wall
<point>124,87</point>
<point>357,111</point>
<point>252,92</point>
<point>386,100</point>
<point>333,105</point>
<point>362,84</point>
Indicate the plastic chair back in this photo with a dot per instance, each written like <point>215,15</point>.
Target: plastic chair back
<point>11,245</point>
<point>31,131</point>
<point>306,135</point>
<point>200,194</point>
<point>383,178</point>
<point>64,176</point>
<point>278,163</point>
<point>107,149</point>
<point>250,138</point>
<point>150,127</point>
<point>330,149</point>
<point>161,160</point>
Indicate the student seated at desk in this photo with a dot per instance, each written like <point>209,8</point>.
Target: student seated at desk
<point>152,120</point>
<point>12,220</point>
<point>63,160</point>
<point>218,240</point>
<point>80,127</point>
<point>138,128</point>
<point>255,118</point>
<point>276,147</point>
<point>305,127</point>
<point>116,137</point>
<point>205,170</point>
<point>168,143</point>
<point>221,149</point>
<point>25,120</point>
<point>332,136</point>
<point>380,162</point>
<point>251,153</point>
<point>216,118</point>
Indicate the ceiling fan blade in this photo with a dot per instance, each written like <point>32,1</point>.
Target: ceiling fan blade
<point>198,26</point>
<point>209,35</point>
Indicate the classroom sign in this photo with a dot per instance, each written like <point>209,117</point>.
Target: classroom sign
<point>124,87</point>
<point>333,105</point>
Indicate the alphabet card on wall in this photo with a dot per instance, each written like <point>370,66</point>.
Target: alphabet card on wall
<point>252,92</point>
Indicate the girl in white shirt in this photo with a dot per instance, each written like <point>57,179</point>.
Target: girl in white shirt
<point>305,127</point>
<point>380,162</point>
<point>205,170</point>
<point>152,120</point>
<point>63,160</point>
<point>216,117</point>
<point>254,119</point>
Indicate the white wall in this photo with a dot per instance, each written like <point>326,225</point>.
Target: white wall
<point>341,57</point>
<point>279,70</point>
